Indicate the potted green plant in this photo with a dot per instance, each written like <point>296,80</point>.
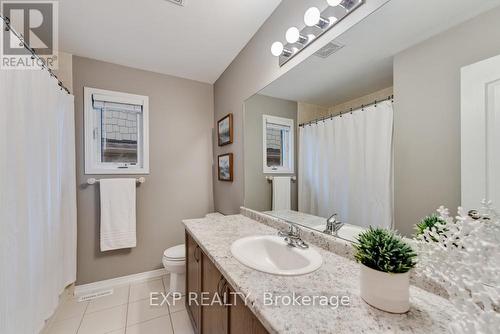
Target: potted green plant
<point>386,261</point>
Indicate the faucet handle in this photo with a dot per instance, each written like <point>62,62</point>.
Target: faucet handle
<point>334,217</point>
<point>302,244</point>
<point>293,231</point>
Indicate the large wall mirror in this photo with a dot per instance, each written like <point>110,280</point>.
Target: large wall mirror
<point>367,131</point>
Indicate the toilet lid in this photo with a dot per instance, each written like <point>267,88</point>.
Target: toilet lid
<point>176,253</point>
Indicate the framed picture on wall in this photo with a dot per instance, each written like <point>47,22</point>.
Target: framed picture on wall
<point>225,167</point>
<point>225,130</point>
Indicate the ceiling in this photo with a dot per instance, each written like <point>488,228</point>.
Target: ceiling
<point>365,64</point>
<point>197,41</point>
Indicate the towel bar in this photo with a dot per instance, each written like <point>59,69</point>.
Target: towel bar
<point>94,181</point>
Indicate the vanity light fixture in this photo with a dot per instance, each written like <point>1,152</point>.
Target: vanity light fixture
<point>317,22</point>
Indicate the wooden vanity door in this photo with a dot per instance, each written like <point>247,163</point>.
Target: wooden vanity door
<point>193,281</point>
<point>240,319</point>
<point>214,317</point>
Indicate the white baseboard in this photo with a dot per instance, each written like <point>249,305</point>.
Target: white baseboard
<point>113,282</point>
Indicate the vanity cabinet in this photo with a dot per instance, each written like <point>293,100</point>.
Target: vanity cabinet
<point>231,317</point>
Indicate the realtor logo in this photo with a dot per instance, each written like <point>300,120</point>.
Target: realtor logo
<point>35,23</point>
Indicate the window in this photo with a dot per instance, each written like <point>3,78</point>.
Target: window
<point>116,133</point>
<point>278,144</point>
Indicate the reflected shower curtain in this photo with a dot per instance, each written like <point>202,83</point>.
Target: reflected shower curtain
<point>37,198</point>
<point>345,167</point>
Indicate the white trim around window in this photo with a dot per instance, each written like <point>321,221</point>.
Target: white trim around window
<point>92,132</point>
<point>288,148</point>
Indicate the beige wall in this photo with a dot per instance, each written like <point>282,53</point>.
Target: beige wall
<point>252,70</point>
<point>427,117</point>
<point>258,191</point>
<point>308,112</point>
<point>180,183</point>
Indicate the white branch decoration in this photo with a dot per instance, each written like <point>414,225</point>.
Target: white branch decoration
<point>463,255</point>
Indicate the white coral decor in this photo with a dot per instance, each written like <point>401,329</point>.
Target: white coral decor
<point>465,260</point>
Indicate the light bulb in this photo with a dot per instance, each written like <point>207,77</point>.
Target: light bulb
<point>292,35</point>
<point>277,49</point>
<point>334,3</point>
<point>312,17</point>
<point>333,19</point>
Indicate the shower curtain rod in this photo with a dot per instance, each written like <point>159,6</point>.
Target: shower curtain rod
<point>8,27</point>
<point>331,116</point>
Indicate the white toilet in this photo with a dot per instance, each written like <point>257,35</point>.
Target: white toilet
<point>174,261</point>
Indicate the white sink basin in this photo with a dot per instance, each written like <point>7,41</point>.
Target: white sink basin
<point>271,254</point>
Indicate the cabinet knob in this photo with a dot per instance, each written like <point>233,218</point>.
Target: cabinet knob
<point>222,289</point>
<point>225,295</point>
<point>219,286</point>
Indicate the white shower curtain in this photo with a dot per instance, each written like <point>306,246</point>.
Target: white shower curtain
<point>345,167</point>
<point>37,196</point>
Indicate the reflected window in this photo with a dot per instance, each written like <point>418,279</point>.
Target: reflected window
<point>278,144</point>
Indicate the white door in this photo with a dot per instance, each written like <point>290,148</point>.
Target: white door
<point>480,118</point>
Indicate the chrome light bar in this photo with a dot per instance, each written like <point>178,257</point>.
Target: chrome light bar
<point>316,24</point>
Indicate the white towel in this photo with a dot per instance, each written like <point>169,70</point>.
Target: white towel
<point>117,214</point>
<point>281,193</point>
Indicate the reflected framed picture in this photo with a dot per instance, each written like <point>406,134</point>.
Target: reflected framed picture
<point>225,167</point>
<point>225,130</point>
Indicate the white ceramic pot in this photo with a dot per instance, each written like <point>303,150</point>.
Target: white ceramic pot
<point>385,291</point>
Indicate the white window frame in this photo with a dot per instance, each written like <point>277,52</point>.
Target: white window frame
<point>290,146</point>
<point>92,165</point>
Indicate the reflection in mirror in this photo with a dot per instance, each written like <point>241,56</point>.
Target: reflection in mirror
<point>278,144</point>
<point>323,141</point>
<point>270,148</point>
<point>343,166</point>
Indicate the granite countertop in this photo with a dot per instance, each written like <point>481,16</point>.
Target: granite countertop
<point>338,276</point>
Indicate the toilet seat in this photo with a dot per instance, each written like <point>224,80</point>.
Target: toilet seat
<point>176,253</point>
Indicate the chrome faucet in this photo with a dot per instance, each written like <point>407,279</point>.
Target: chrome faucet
<point>333,225</point>
<point>292,237</point>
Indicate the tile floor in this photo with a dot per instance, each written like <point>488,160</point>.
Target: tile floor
<point>126,311</point>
